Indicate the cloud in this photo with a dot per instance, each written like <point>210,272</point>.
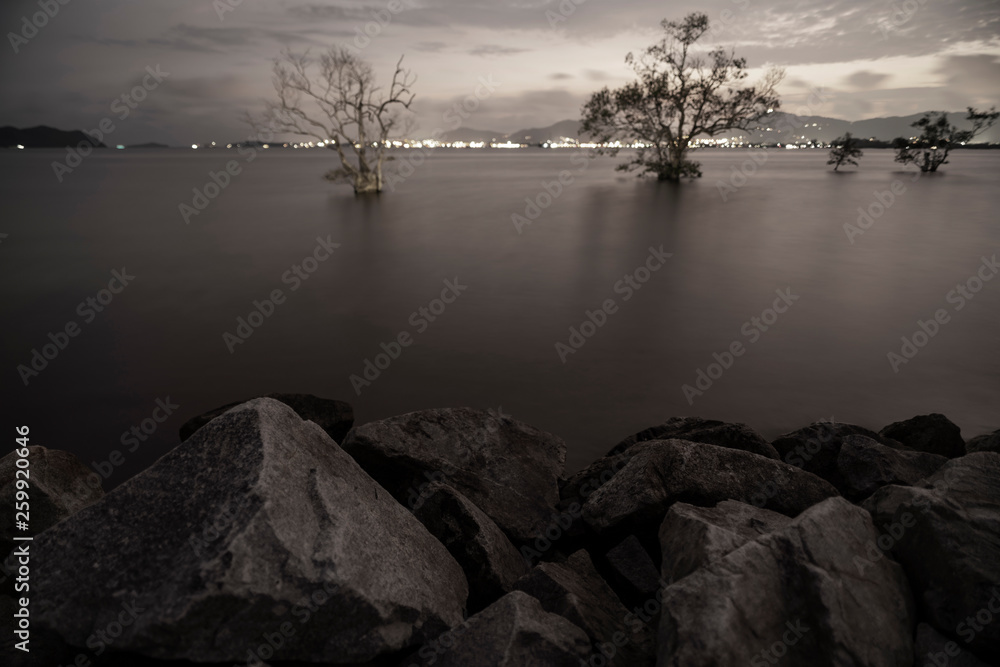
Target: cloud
<point>972,79</point>
<point>430,47</point>
<point>560,76</point>
<point>494,50</point>
<point>865,79</point>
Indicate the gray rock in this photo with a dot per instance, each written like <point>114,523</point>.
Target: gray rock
<point>512,632</point>
<point>257,523</point>
<point>634,575</point>
<point>508,469</point>
<point>334,417</point>
<point>661,473</point>
<point>691,537</point>
<point>933,433</point>
<point>933,649</point>
<point>793,595</point>
<point>708,431</point>
<point>864,466</point>
<point>945,531</point>
<point>988,442</point>
<point>816,447</point>
<point>575,591</point>
<point>490,561</point>
<point>59,485</point>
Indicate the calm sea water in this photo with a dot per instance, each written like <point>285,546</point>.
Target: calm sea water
<point>495,345</point>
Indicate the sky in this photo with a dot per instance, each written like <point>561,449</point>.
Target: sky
<point>543,58</point>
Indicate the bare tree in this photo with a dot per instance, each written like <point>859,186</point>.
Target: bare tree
<point>930,150</point>
<point>844,149</point>
<point>334,99</point>
<point>678,96</point>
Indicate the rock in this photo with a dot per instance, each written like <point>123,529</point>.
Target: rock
<point>575,591</point>
<point>816,447</point>
<point>932,433</point>
<point>660,473</point>
<point>793,595</point>
<point>334,417</point>
<point>945,532</point>
<point>634,575</point>
<point>864,466</point>
<point>709,431</point>
<point>512,632</point>
<point>691,537</point>
<point>988,442</point>
<point>490,561</point>
<point>933,649</point>
<point>257,523</point>
<point>508,469</point>
<point>59,485</point>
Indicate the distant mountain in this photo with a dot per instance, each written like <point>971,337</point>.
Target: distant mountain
<point>784,128</point>
<point>44,137</point>
<point>468,134</point>
<point>151,144</point>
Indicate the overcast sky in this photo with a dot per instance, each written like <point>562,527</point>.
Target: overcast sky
<point>876,57</point>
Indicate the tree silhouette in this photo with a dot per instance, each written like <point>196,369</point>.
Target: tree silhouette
<point>844,150</point>
<point>930,150</point>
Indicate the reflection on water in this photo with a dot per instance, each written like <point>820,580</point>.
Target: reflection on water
<point>826,356</point>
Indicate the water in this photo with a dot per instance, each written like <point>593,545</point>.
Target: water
<point>494,347</point>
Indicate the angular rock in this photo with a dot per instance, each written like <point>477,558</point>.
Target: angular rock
<point>508,469</point>
<point>575,591</point>
<point>512,632</point>
<point>945,532</point>
<point>633,574</point>
<point>334,417</point>
<point>691,537</point>
<point>864,466</point>
<point>796,594</point>
<point>661,473</point>
<point>988,442</point>
<point>708,431</point>
<point>933,649</point>
<point>490,561</point>
<point>259,519</point>
<point>933,433</point>
<point>59,485</point>
<point>816,447</point>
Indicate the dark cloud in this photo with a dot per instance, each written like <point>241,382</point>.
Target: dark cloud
<point>865,79</point>
<point>560,76</point>
<point>494,50</point>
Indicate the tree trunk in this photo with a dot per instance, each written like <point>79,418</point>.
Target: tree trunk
<point>367,183</point>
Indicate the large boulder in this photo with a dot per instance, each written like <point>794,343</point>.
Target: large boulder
<point>815,448</point>
<point>491,563</point>
<point>334,417</point>
<point>506,468</point>
<point>864,466</point>
<point>708,431</point>
<point>257,523</point>
<point>577,592</point>
<point>933,433</point>
<point>514,631</point>
<point>793,595</point>
<point>691,537</point>
<point>933,649</point>
<point>945,531</point>
<point>660,473</point>
<point>988,442</point>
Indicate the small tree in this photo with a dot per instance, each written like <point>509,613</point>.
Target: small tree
<point>930,150</point>
<point>333,98</point>
<point>678,96</point>
<point>844,149</point>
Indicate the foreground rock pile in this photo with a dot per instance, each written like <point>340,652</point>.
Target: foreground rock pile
<point>279,533</point>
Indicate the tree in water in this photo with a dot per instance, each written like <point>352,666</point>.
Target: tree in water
<point>677,96</point>
<point>844,150</point>
<point>930,150</point>
<point>334,99</point>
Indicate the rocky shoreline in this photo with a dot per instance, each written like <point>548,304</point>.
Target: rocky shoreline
<point>280,533</point>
